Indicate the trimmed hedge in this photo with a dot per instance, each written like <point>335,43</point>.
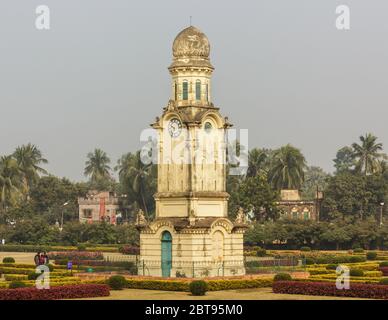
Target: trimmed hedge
<point>47,248</point>
<point>384,270</point>
<point>357,290</point>
<point>212,285</point>
<point>76,255</point>
<point>62,292</point>
<point>282,277</point>
<point>198,287</point>
<point>8,260</point>
<point>371,255</point>
<point>117,282</point>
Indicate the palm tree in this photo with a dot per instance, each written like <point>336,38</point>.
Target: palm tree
<point>97,166</point>
<point>10,181</point>
<point>367,153</point>
<point>287,168</point>
<point>29,158</point>
<point>133,172</point>
<point>257,162</point>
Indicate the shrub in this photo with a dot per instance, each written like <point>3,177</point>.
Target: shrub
<point>117,282</point>
<point>358,250</point>
<point>331,266</point>
<point>383,264</point>
<point>356,273</point>
<point>60,292</point>
<point>76,255</point>
<point>305,249</point>
<point>384,281</point>
<point>62,262</point>
<point>282,277</point>
<point>371,255</point>
<point>260,252</point>
<point>129,250</point>
<point>309,261</point>
<point>51,267</point>
<point>13,277</point>
<point>8,260</point>
<point>198,288</point>
<point>81,247</point>
<point>17,284</point>
<point>357,290</point>
<point>384,270</point>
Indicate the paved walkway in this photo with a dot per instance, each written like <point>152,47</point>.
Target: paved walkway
<point>244,294</point>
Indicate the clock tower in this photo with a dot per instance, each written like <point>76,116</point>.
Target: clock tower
<point>191,234</point>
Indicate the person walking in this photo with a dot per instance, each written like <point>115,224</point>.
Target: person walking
<point>46,259</point>
<point>37,259</point>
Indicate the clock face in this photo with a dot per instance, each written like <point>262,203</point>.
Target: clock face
<point>208,127</point>
<point>174,128</point>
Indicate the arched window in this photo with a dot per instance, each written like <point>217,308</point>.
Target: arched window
<point>198,90</point>
<point>185,90</point>
<point>218,246</point>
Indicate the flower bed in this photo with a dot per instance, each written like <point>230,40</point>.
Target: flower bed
<point>76,255</point>
<point>357,290</point>
<point>384,270</point>
<point>62,292</point>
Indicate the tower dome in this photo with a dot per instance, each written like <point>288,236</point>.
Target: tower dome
<point>191,48</point>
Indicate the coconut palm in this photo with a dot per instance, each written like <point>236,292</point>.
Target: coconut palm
<point>287,168</point>
<point>134,173</point>
<point>97,166</point>
<point>10,181</point>
<point>367,154</point>
<point>29,158</point>
<point>257,162</point>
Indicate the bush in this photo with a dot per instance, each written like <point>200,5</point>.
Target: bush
<point>356,273</point>
<point>384,270</point>
<point>371,255</point>
<point>384,281</point>
<point>198,288</point>
<point>282,277</point>
<point>54,293</point>
<point>358,250</point>
<point>8,260</point>
<point>17,284</point>
<point>356,290</point>
<point>81,247</point>
<point>260,252</point>
<point>309,261</point>
<point>129,250</point>
<point>305,249</point>
<point>117,282</point>
<point>383,264</point>
<point>331,266</point>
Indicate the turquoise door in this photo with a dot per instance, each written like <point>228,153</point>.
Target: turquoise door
<point>166,254</point>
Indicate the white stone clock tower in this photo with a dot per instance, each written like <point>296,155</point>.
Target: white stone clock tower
<point>191,235</point>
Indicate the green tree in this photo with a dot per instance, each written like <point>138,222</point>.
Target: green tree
<point>344,160</point>
<point>256,195</point>
<point>314,177</point>
<point>10,182</point>
<point>138,179</point>
<point>257,162</point>
<point>287,168</point>
<point>29,159</point>
<point>97,166</point>
<point>367,154</point>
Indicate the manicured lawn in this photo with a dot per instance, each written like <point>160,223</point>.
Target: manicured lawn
<point>244,294</point>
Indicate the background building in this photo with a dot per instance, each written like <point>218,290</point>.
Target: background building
<point>99,206</point>
<point>292,206</point>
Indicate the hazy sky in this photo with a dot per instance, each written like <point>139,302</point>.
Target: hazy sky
<point>99,76</point>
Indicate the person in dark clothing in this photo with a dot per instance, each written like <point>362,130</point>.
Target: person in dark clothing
<point>37,259</point>
<point>46,259</point>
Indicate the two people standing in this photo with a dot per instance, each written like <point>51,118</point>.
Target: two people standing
<point>41,258</point>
